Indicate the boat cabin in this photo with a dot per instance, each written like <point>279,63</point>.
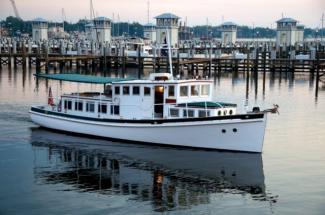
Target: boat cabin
<point>160,96</point>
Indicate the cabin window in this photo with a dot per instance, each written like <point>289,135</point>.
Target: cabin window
<point>171,91</point>
<point>205,90</point>
<point>90,107</point>
<point>68,104</point>
<point>126,90</point>
<point>184,91</point>
<point>117,90</point>
<point>230,112</point>
<point>102,108</point>
<point>174,112</point>
<point>78,106</point>
<point>195,90</point>
<point>219,113</point>
<point>203,113</point>
<point>147,91</point>
<point>188,113</point>
<point>136,90</point>
<point>115,110</point>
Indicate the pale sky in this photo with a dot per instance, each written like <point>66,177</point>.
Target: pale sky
<point>243,12</point>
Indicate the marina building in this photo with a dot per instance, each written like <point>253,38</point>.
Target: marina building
<point>288,32</point>
<point>101,30</point>
<point>167,22</point>
<point>228,33</point>
<point>149,32</point>
<point>39,29</point>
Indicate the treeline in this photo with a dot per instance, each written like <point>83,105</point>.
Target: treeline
<point>17,26</point>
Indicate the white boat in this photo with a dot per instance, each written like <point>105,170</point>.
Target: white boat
<point>160,110</point>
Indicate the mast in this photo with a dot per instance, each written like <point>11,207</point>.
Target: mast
<point>169,53</point>
<point>322,30</point>
<point>148,10</point>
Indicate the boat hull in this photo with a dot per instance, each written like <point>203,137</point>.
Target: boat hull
<point>227,134</point>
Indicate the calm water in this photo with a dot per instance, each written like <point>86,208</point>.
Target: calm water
<point>43,172</point>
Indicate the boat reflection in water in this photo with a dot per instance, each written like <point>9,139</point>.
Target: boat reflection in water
<point>171,178</point>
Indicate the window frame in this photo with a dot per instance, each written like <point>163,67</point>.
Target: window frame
<point>138,90</point>
<point>144,91</point>
<point>180,91</point>
<point>119,90</point>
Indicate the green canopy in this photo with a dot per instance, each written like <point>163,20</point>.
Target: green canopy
<point>73,77</point>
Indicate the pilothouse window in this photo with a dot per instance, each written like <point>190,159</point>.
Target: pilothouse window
<point>147,91</point>
<point>117,90</point>
<point>126,90</point>
<point>205,90</point>
<point>136,90</point>
<point>171,91</point>
<point>195,90</point>
<point>184,91</point>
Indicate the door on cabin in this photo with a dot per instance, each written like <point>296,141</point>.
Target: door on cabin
<point>159,100</point>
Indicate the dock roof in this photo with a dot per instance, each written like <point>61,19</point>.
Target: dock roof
<point>102,18</point>
<point>167,16</point>
<point>228,24</point>
<point>149,25</point>
<point>286,19</point>
<point>73,77</point>
<point>39,20</point>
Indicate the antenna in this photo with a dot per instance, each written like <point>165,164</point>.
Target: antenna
<point>322,30</point>
<point>64,18</point>
<point>148,5</point>
<point>169,53</point>
<point>91,10</point>
<point>282,15</point>
<point>118,24</point>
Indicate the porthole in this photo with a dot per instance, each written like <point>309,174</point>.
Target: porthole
<point>230,112</point>
<point>219,113</point>
<point>234,130</point>
<point>223,130</point>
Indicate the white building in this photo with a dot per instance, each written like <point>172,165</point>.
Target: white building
<point>101,30</point>
<point>149,32</point>
<point>288,32</point>
<point>167,22</point>
<point>39,29</point>
<point>300,33</point>
<point>228,33</point>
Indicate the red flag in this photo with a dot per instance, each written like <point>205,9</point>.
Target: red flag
<point>50,100</point>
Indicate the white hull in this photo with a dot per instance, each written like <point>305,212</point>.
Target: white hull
<point>248,137</point>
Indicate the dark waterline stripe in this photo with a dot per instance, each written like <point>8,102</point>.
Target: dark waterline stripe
<point>153,121</point>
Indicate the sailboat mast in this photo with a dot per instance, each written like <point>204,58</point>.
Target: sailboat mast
<point>169,53</point>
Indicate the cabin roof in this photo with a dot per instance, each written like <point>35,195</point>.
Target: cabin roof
<point>72,77</point>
